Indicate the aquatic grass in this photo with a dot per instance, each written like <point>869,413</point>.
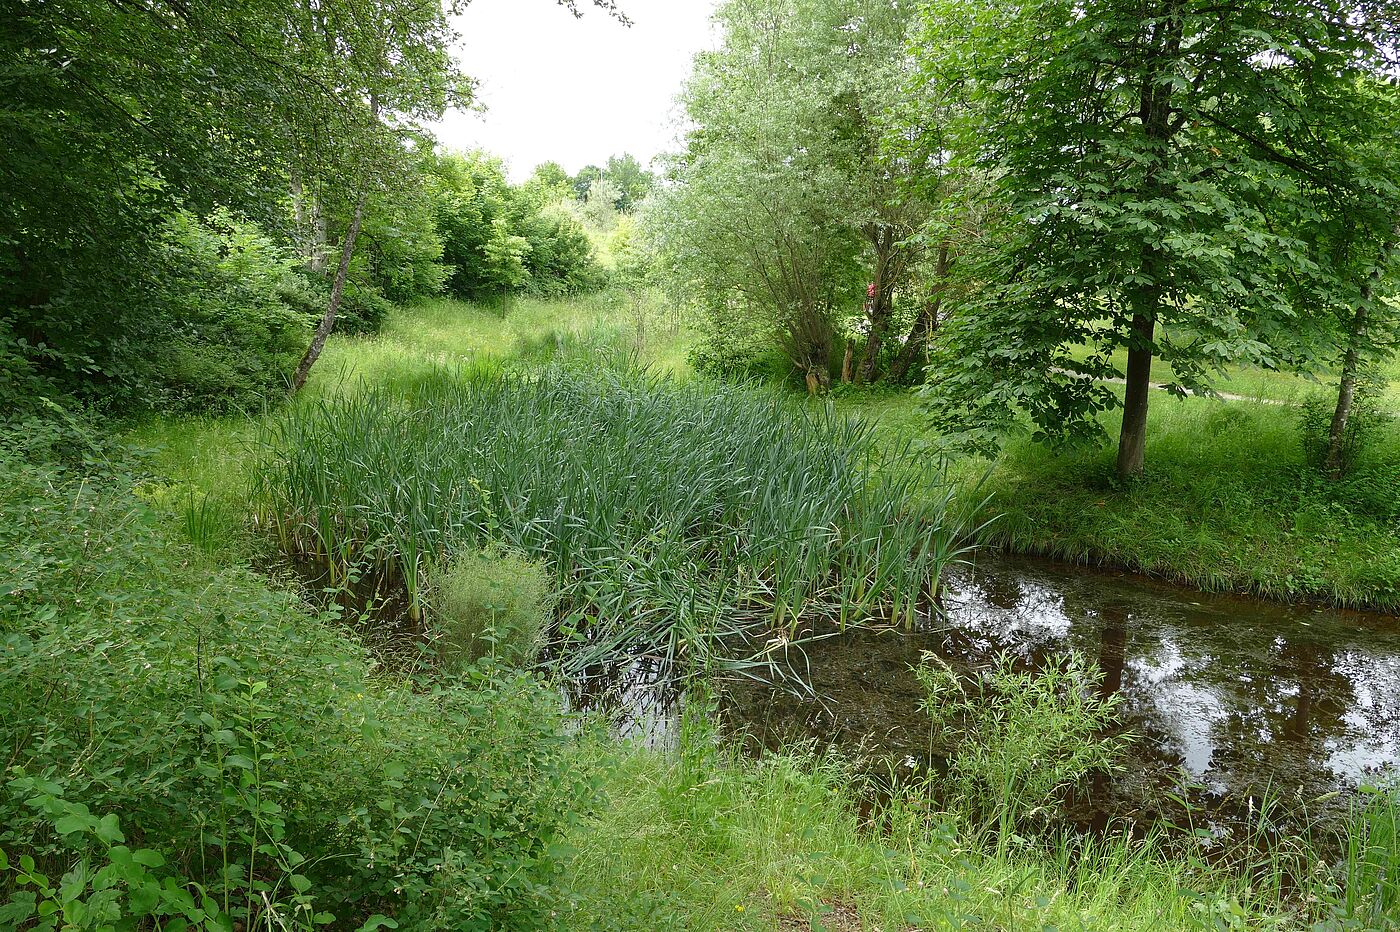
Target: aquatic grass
<point>675,518</point>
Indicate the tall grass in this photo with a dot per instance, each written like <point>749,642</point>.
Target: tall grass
<point>675,518</point>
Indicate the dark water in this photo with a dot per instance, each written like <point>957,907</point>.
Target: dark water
<point>1231,699</point>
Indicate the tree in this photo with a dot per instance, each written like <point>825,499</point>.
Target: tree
<point>499,239</point>
<point>755,224</point>
<point>600,206</point>
<point>550,179</point>
<point>1354,231</point>
<point>117,115</point>
<point>584,180</point>
<point>631,181</point>
<point>1142,150</point>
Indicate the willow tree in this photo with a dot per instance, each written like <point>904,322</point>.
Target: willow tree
<point>755,223</point>
<point>1143,150</point>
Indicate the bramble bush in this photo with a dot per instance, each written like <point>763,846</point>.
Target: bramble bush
<point>249,747</point>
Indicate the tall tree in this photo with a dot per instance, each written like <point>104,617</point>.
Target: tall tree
<point>1143,149</point>
<point>630,179</point>
<point>756,223</point>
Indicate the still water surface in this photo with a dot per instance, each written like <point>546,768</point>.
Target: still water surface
<point>1231,698</point>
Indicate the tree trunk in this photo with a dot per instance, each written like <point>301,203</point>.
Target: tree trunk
<point>1155,113</point>
<point>327,322</point>
<point>846,362</point>
<point>880,304</point>
<point>1132,439</point>
<point>924,325</point>
<point>347,250</point>
<point>1351,362</point>
<point>1346,394</point>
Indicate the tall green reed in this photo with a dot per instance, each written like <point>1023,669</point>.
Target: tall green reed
<point>699,523</point>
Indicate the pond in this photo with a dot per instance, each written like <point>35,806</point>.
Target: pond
<point>1231,699</point>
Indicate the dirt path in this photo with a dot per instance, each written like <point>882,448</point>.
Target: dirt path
<point>1163,386</point>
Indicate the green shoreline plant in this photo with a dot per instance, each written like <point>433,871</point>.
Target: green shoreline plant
<point>676,519</point>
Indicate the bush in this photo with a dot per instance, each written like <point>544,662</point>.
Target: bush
<point>362,309</point>
<point>491,604</point>
<point>738,358</point>
<point>1359,438</point>
<point>502,239</point>
<point>227,328</point>
<point>246,741</point>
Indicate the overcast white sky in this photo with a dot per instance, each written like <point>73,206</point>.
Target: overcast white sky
<point>574,91</point>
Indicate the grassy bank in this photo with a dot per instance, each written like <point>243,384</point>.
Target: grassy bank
<point>1228,502</point>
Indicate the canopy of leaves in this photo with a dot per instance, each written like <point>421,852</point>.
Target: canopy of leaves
<point>1154,160</point>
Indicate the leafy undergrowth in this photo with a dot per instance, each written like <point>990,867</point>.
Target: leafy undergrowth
<point>186,745</point>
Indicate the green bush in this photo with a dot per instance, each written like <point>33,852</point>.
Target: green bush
<point>493,604</point>
<point>227,327</point>
<point>1363,429</point>
<point>362,309</point>
<point>503,239</point>
<point>247,741</point>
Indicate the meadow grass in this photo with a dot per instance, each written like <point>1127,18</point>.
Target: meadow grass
<point>704,839</point>
<point>1270,385</point>
<point>1228,501</point>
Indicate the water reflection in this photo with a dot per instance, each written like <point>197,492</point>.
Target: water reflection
<point>1235,697</point>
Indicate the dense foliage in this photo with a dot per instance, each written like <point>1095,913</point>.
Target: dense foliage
<point>502,239</point>
<point>243,748</point>
<point>1160,168</point>
<point>118,117</point>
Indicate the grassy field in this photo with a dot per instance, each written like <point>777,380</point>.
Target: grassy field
<point>1269,384</point>
<point>1227,502</point>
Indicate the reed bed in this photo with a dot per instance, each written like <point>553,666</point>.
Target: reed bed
<point>684,521</point>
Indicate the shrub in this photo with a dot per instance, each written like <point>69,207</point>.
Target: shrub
<point>246,740</point>
<point>1364,425</point>
<point>1020,739</point>
<point>493,604</point>
<point>223,335</point>
<point>362,309</point>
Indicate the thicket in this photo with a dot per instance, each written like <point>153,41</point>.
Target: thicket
<point>184,744</point>
<point>504,239</point>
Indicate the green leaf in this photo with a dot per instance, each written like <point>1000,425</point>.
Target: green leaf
<point>108,830</point>
<point>148,857</point>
